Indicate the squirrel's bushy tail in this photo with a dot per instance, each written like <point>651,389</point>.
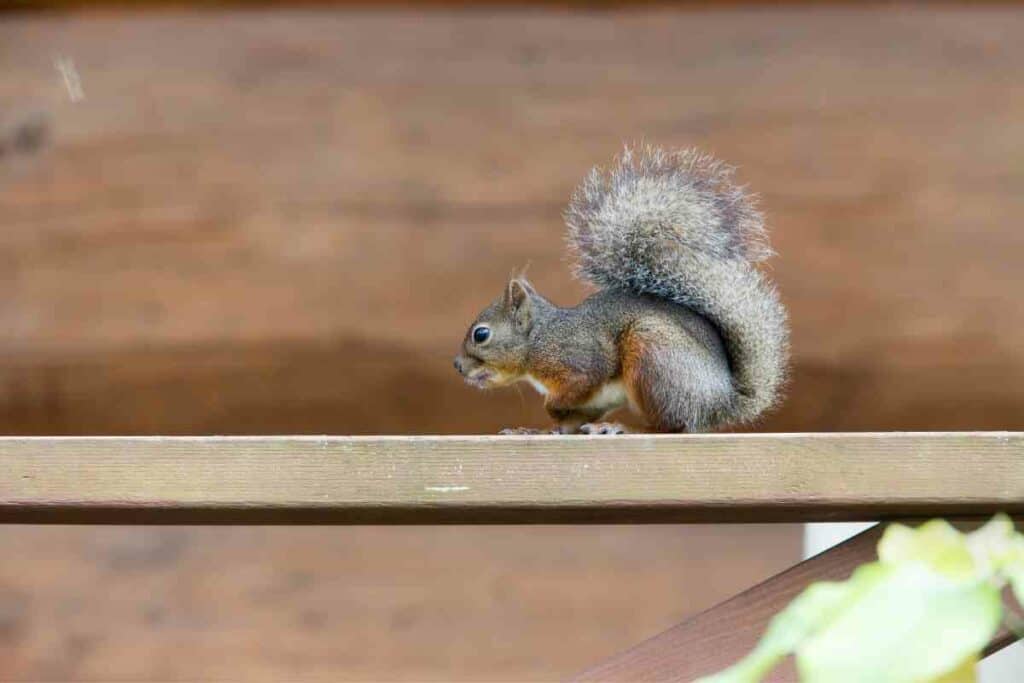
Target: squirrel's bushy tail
<point>676,226</point>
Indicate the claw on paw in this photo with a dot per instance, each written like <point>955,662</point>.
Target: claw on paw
<point>602,428</point>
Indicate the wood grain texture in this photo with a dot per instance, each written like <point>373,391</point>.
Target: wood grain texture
<point>281,222</point>
<point>638,478</point>
<point>718,637</point>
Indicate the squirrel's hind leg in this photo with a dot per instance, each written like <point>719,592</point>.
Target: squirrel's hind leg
<point>678,387</point>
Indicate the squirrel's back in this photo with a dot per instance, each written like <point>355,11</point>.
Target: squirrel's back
<point>676,226</point>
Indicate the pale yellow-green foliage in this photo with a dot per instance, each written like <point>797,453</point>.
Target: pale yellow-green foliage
<point>921,614</point>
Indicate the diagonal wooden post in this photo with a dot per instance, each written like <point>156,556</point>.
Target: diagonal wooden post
<point>719,636</point>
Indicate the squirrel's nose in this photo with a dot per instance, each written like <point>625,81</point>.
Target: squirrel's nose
<point>458,364</point>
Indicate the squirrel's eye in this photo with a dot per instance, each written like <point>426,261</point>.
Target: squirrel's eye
<point>481,334</point>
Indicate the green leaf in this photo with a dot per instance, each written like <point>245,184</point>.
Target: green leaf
<point>999,549</point>
<point>935,544</point>
<point>912,625</point>
<point>993,544</point>
<point>809,612</point>
<point>967,672</point>
<point>923,612</point>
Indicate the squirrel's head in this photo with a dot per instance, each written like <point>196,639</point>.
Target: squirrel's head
<point>494,350</point>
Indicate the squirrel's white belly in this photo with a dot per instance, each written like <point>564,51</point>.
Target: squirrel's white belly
<point>609,397</point>
<point>537,384</point>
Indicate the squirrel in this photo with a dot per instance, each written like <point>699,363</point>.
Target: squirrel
<point>684,329</point>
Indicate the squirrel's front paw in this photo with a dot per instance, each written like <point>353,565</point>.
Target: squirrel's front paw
<point>602,428</point>
<point>524,431</point>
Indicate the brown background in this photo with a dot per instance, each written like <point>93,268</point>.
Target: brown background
<point>281,221</point>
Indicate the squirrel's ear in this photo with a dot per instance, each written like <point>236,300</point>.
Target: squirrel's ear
<point>518,299</point>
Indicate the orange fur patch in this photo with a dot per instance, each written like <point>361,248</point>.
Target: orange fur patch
<point>632,348</point>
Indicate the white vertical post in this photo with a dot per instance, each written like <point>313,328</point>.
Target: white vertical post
<point>820,537</point>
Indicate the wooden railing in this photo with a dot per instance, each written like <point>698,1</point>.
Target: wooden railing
<point>487,480</point>
<point>491,479</point>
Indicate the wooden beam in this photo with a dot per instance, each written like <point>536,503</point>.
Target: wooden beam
<point>491,479</point>
<point>721,635</point>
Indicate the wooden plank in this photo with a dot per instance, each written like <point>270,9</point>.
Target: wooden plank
<point>721,635</point>
<point>638,478</point>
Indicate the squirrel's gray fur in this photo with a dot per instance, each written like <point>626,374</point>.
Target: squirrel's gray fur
<point>676,226</point>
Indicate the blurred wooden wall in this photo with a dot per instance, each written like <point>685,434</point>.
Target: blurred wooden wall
<point>281,221</point>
